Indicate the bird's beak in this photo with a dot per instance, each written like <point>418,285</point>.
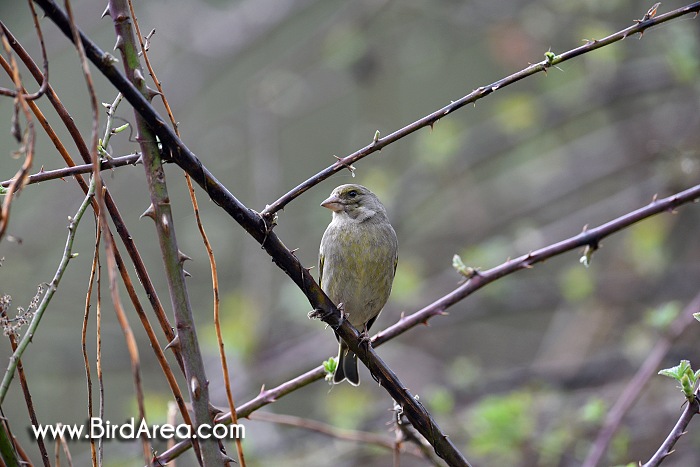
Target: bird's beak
<point>333,203</point>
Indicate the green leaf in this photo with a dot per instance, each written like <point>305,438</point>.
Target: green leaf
<point>330,365</point>
<point>677,371</point>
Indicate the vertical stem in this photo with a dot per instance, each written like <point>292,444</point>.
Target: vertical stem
<point>160,211</point>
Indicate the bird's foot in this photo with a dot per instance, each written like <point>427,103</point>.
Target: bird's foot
<point>364,338</point>
<point>317,313</point>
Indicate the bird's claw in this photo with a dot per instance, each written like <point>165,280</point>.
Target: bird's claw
<point>317,313</point>
<point>364,338</point>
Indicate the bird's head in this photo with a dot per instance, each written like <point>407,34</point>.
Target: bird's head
<point>355,201</point>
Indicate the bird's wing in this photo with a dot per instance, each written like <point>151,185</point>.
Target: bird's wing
<point>320,268</point>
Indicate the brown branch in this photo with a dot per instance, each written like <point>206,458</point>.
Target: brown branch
<point>634,387</point>
<point>27,140</point>
<point>161,213</point>
<point>438,307</point>
<point>112,266</point>
<point>45,82</point>
<point>83,334</point>
<point>591,238</point>
<point>666,449</point>
<point>45,175</point>
<point>27,397</point>
<point>142,274</point>
<point>202,233</point>
<point>551,60</point>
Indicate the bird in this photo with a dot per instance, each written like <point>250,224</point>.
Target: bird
<point>357,263</point>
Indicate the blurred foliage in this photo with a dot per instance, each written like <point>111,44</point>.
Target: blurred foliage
<point>501,426</point>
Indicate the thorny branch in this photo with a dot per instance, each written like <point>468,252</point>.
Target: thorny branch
<point>649,20</point>
<point>479,280</point>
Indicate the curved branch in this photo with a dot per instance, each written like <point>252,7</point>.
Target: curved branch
<point>438,307</point>
<point>590,238</point>
<point>551,59</point>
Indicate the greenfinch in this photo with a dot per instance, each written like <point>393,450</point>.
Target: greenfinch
<point>357,263</point>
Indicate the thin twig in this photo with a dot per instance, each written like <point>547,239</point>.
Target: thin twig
<point>588,237</point>
<point>197,382</point>
<point>124,234</point>
<point>131,344</point>
<point>27,140</point>
<point>203,234</point>
<point>51,289</point>
<point>98,357</point>
<point>45,175</point>
<point>120,225</point>
<point>28,398</point>
<point>83,334</point>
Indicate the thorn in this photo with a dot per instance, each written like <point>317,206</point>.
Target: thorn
<point>150,212</point>
<point>138,76</point>
<point>350,167</point>
<point>262,389</point>
<point>375,139</point>
<point>214,411</point>
<point>585,228</point>
<point>651,12</point>
<point>227,459</point>
<point>187,274</point>
<point>175,344</point>
<point>654,198</point>
<point>106,12</point>
<point>151,93</point>
<point>294,251</point>
<point>119,43</point>
<point>182,257</point>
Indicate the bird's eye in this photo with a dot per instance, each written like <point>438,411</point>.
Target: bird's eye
<point>352,194</point>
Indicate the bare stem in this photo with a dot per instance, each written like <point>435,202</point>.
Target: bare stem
<point>51,289</point>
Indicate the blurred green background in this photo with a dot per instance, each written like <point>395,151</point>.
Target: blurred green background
<point>266,92</point>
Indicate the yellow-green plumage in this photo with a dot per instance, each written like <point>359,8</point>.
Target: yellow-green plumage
<point>357,262</point>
